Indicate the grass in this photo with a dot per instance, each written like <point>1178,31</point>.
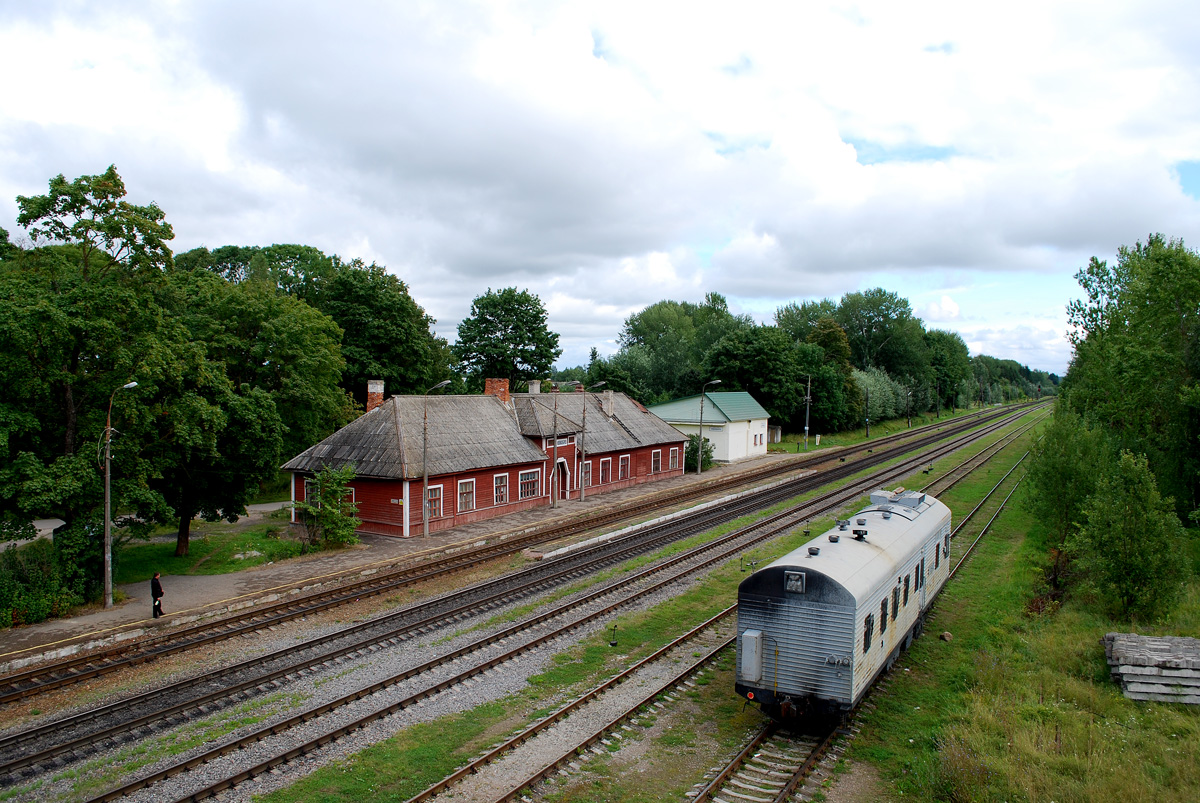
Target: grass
<point>1019,705</point>
<point>210,553</point>
<point>851,437</point>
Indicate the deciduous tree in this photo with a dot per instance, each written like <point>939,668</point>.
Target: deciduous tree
<point>506,337</point>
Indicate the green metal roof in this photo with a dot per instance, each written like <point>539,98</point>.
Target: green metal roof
<point>733,405</point>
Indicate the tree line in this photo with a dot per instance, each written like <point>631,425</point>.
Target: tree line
<point>1119,467</point>
<point>865,356</point>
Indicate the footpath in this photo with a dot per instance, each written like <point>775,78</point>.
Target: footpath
<point>188,599</point>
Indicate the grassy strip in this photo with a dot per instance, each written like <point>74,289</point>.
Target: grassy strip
<point>1019,705</point>
<point>208,555</point>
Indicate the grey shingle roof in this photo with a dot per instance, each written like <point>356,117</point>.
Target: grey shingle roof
<point>473,432</point>
<point>465,433</point>
<point>631,426</point>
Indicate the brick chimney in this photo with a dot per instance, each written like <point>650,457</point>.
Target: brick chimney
<point>496,387</point>
<point>374,393</point>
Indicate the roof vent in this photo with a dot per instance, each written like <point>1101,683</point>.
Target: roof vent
<point>860,535</point>
<point>887,514</point>
<point>861,522</point>
<point>844,525</point>
<point>813,551</point>
<point>833,538</point>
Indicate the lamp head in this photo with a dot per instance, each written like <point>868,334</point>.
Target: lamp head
<point>129,385</point>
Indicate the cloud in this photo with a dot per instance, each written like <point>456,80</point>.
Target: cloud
<point>940,311</point>
<point>607,157</point>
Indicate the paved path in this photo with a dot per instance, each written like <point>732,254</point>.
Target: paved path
<point>187,598</point>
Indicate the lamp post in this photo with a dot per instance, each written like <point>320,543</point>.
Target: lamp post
<point>908,406</point>
<point>425,461</point>
<point>700,443</point>
<point>108,497</point>
<point>807,405</point>
<point>583,472</point>
<point>554,468</point>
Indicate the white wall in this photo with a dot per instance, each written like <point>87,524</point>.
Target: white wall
<point>732,441</point>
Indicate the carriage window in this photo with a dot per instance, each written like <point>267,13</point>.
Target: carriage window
<point>882,616</point>
<point>906,589</point>
<point>946,546</point>
<point>937,557</point>
<point>868,627</point>
<point>794,582</point>
<point>895,602</point>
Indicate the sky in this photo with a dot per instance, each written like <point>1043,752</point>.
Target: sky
<point>609,155</point>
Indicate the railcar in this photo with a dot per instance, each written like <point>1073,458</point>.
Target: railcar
<point>818,626</point>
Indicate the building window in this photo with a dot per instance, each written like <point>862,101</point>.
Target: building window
<point>433,501</point>
<point>882,616</point>
<point>500,492</point>
<point>587,473</point>
<point>656,461</point>
<point>564,441</point>
<point>606,471</point>
<point>868,628</point>
<point>674,458</point>
<point>312,490</point>
<point>906,589</point>
<point>466,495</point>
<point>529,484</point>
<point>623,468</point>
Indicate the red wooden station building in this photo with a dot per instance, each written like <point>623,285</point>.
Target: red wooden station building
<point>489,455</point>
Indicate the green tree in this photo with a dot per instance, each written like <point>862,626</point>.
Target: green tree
<point>763,361</point>
<point>506,337</point>
<point>1130,546</point>
<point>1136,367</point>
<point>689,454</point>
<point>800,320</point>
<point>881,331</point>
<point>950,361</point>
<point>1062,478</point>
<point>329,514</point>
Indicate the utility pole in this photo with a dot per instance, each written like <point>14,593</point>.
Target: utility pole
<point>807,405</point>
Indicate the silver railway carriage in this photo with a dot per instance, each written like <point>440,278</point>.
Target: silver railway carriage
<point>817,626</point>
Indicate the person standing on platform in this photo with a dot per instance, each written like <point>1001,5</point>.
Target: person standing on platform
<point>156,592</point>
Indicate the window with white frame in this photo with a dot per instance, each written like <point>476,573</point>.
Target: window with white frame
<point>500,489</point>
<point>606,470</point>
<point>466,495</point>
<point>587,473</point>
<point>312,490</point>
<point>656,461</point>
<point>623,468</point>
<point>529,484</point>
<point>674,458</point>
<point>433,501</point>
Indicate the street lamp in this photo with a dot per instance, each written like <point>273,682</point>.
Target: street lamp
<point>700,443</point>
<point>807,405</point>
<point>425,461</point>
<point>583,471</point>
<point>108,497</point>
<point>868,411</point>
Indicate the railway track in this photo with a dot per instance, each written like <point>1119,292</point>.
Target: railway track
<point>56,674</point>
<point>778,522</point>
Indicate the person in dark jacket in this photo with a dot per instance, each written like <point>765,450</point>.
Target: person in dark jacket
<point>156,592</point>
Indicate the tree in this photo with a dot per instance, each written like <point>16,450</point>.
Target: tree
<point>328,512</point>
<point>506,337</point>
<point>1130,546</point>
<point>872,321</point>
<point>763,361</point>
<point>950,361</point>
<point>799,320</point>
<point>1062,478</point>
<point>1136,367</point>
<point>689,454</point>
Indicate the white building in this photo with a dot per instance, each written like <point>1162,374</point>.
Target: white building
<point>734,423</point>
